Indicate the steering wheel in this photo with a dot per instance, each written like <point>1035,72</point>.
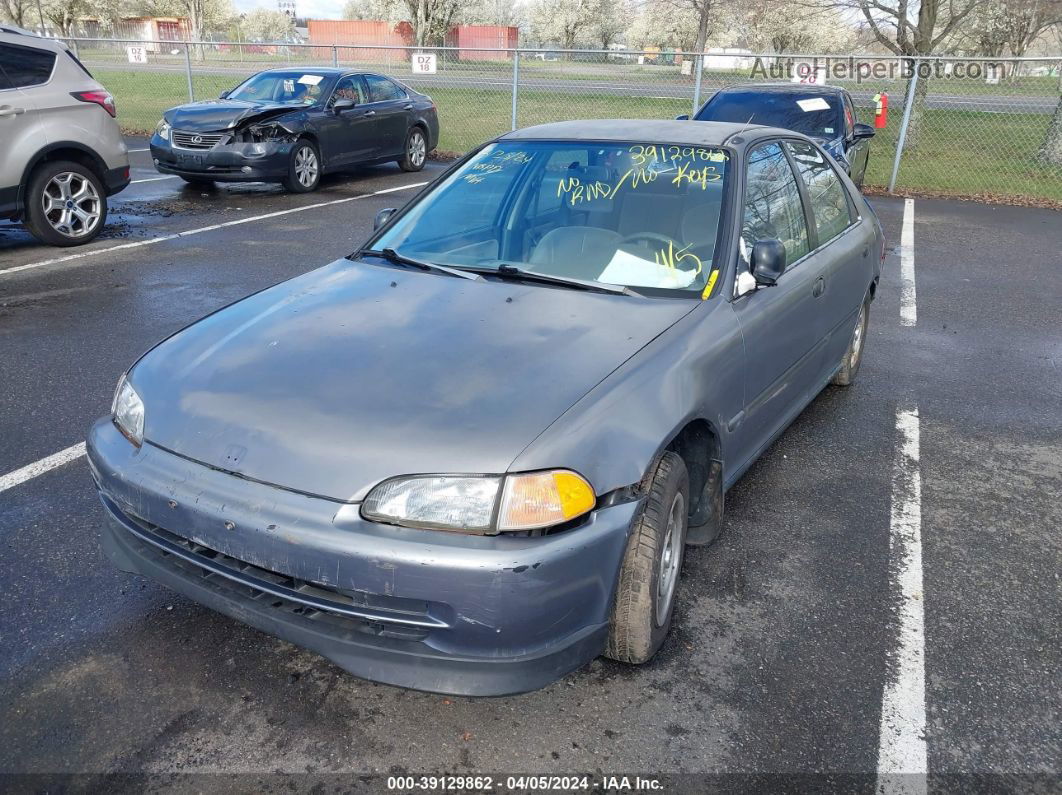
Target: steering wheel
<point>651,237</point>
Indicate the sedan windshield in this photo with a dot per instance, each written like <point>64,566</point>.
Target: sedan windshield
<point>287,88</point>
<point>638,215</point>
<point>806,112</point>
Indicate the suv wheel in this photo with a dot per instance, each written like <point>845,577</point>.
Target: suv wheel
<point>66,204</point>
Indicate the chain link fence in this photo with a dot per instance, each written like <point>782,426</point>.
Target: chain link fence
<point>970,127</point>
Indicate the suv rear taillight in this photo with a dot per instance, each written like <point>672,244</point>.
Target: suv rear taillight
<point>101,98</point>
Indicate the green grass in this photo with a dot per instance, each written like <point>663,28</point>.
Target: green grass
<point>959,152</point>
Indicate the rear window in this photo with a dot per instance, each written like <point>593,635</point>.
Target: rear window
<point>811,113</point>
<point>26,66</point>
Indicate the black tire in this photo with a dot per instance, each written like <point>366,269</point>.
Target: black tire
<point>640,616</point>
<point>47,223</point>
<point>415,153</point>
<point>202,181</point>
<point>853,355</point>
<point>304,167</point>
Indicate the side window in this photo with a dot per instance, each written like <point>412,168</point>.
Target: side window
<point>382,89</point>
<point>849,117</point>
<point>772,204</point>
<point>829,199</point>
<point>349,87</point>
<point>26,66</point>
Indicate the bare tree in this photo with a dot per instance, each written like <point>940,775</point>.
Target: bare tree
<point>16,10</point>
<point>912,28</point>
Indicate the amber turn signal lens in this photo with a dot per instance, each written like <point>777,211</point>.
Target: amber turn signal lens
<point>541,499</point>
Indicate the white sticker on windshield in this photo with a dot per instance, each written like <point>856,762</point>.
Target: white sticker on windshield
<point>815,103</point>
<point>311,80</point>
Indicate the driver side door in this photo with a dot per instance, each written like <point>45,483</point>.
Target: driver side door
<point>780,324</point>
<point>345,134</point>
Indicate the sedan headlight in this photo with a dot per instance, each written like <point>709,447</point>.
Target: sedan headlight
<point>163,130</point>
<point>481,504</point>
<point>127,412</point>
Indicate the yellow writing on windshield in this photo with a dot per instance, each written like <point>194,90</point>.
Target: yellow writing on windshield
<point>672,258</point>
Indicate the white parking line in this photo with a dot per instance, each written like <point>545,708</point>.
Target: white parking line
<point>152,179</point>
<point>138,150</point>
<point>902,762</point>
<point>30,471</point>
<point>908,305</point>
<point>188,233</point>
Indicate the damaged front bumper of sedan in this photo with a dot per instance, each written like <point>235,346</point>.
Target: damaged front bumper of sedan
<point>251,154</point>
<point>430,610</point>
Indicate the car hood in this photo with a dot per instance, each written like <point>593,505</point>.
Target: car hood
<point>354,373</point>
<point>223,114</point>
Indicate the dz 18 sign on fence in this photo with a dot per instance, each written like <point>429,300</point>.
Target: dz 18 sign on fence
<point>424,63</point>
<point>136,54</point>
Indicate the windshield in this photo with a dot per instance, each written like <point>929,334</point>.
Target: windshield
<point>287,88</point>
<point>805,112</point>
<point>632,214</point>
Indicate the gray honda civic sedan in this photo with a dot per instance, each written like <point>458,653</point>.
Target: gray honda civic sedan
<point>468,457</point>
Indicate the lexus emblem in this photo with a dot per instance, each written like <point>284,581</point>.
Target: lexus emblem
<point>197,139</point>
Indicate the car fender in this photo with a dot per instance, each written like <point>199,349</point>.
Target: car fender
<point>693,371</point>
<point>42,154</point>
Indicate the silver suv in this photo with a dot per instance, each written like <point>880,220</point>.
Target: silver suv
<point>61,152</point>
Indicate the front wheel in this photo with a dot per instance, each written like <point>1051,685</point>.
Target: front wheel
<point>853,357</point>
<point>648,578</point>
<point>304,168</point>
<point>416,151</point>
<point>66,204</point>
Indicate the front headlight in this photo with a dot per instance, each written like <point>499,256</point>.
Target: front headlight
<point>480,504</point>
<point>127,412</point>
<point>163,130</point>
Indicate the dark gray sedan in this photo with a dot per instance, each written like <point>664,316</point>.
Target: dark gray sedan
<point>292,125</point>
<point>468,457</point>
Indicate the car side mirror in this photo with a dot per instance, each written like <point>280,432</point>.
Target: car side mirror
<point>342,104</point>
<point>224,95</point>
<point>383,217</point>
<point>683,117</point>
<point>768,261</point>
<point>861,131</point>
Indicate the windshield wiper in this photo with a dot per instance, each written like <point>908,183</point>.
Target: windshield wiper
<point>395,258</point>
<point>513,273</point>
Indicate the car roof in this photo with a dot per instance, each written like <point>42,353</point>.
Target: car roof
<point>785,88</point>
<point>699,133</point>
<point>31,38</point>
<point>321,70</point>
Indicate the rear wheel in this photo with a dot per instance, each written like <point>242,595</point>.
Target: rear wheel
<point>304,167</point>
<point>416,151</point>
<point>645,594</point>
<point>853,357</point>
<point>66,204</point>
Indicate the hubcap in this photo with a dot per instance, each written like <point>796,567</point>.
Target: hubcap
<point>857,337</point>
<point>418,149</point>
<point>306,167</point>
<point>71,204</point>
<point>670,557</point>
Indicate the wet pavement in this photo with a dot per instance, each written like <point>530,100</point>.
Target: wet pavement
<point>786,629</point>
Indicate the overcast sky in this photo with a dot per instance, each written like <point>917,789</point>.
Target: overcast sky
<point>317,9</point>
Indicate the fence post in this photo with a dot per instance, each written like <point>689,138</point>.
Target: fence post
<point>516,85</point>
<point>188,69</point>
<point>335,56</point>
<point>698,64</point>
<point>903,126</point>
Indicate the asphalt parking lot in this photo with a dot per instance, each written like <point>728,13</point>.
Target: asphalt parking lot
<point>797,637</point>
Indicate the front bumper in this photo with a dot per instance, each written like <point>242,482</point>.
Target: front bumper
<point>234,162</point>
<point>444,612</point>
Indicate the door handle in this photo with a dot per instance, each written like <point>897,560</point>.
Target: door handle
<point>7,110</point>
<point>866,250</point>
<point>370,113</point>
<point>408,106</point>
<point>819,288</point>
